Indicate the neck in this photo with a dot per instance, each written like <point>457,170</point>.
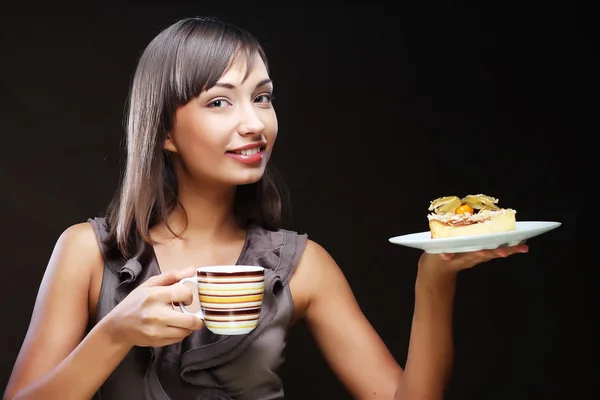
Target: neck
<point>203,213</point>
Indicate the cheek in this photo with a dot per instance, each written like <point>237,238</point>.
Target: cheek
<point>202,153</point>
<point>200,157</point>
<point>201,137</point>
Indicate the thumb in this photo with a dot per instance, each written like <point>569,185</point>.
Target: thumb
<point>169,278</point>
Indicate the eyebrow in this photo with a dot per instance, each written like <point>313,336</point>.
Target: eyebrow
<point>231,86</point>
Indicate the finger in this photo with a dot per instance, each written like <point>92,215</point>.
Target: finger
<point>521,248</point>
<point>174,333</point>
<point>507,251</point>
<point>183,321</point>
<point>502,253</point>
<point>168,278</point>
<point>470,259</point>
<point>174,293</point>
<point>446,256</point>
<point>483,254</point>
<point>181,293</point>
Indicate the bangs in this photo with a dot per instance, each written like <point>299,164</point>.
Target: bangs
<point>204,53</point>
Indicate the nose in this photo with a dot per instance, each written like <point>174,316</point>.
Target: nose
<point>250,122</point>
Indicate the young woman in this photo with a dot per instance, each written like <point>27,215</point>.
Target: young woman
<point>197,190</point>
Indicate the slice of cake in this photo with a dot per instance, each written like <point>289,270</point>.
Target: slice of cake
<point>472,215</point>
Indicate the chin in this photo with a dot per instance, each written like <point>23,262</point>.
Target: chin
<point>249,178</point>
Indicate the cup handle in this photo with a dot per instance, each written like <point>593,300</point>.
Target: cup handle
<point>198,314</point>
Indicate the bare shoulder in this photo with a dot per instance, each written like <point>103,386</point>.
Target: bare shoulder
<point>77,246</point>
<point>80,236</point>
<point>317,261</point>
<point>314,263</point>
<point>76,259</point>
<point>315,270</point>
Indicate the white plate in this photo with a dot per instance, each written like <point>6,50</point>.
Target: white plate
<point>525,230</point>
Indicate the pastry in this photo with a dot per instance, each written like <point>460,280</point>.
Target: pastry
<point>471,215</point>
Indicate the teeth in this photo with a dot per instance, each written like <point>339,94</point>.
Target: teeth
<point>249,152</point>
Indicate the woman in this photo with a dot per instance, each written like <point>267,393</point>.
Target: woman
<point>197,190</point>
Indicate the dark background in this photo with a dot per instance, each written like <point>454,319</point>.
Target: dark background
<point>381,109</point>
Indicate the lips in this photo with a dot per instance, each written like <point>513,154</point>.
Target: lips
<point>249,154</point>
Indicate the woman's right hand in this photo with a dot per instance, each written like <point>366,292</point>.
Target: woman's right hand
<point>146,317</point>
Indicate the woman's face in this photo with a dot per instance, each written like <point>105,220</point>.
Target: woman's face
<point>226,134</point>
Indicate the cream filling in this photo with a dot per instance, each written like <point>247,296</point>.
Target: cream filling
<point>482,215</point>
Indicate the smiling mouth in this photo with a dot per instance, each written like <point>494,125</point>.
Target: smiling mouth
<point>253,156</point>
<point>248,152</point>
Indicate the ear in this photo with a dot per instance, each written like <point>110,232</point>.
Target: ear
<point>169,145</point>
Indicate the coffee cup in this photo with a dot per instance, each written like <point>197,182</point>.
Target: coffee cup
<point>230,297</point>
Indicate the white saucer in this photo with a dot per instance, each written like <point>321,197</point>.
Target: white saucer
<point>525,230</point>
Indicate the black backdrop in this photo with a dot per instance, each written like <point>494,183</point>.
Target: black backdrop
<point>380,111</point>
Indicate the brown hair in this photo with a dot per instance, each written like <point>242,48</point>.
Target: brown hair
<point>183,60</point>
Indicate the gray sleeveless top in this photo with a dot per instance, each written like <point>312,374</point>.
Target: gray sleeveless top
<point>205,366</point>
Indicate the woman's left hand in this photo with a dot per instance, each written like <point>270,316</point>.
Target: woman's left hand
<point>454,262</point>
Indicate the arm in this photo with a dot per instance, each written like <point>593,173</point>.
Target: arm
<point>56,349</point>
<point>431,349</point>
<point>47,367</point>
<point>355,352</point>
<point>350,345</point>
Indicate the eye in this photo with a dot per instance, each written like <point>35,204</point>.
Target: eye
<point>264,98</point>
<point>219,103</point>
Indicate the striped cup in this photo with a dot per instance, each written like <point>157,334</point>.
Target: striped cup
<point>230,297</point>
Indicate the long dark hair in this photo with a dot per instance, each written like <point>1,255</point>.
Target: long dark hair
<point>183,60</point>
